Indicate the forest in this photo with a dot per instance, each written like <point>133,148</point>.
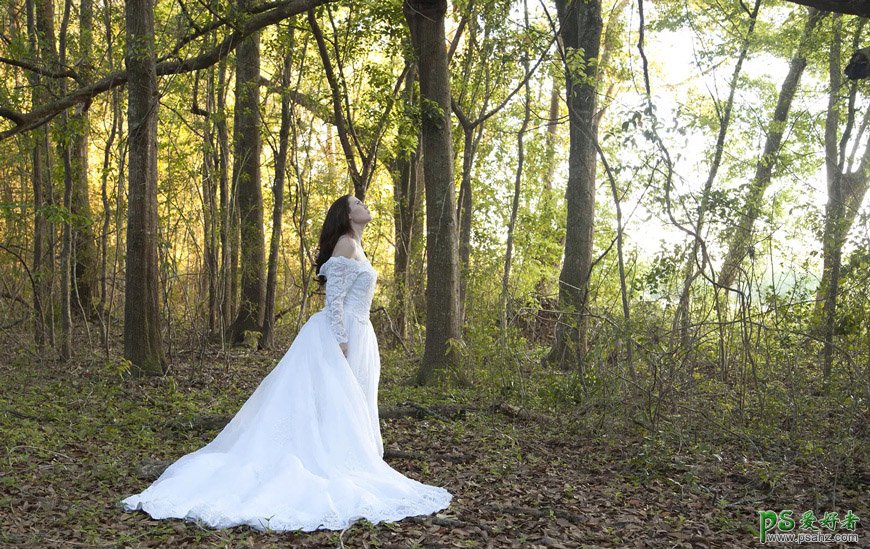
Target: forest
<point>622,249</point>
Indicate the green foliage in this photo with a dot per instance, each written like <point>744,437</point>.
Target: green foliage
<point>581,67</point>
<point>431,113</point>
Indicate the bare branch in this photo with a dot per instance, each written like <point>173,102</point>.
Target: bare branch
<point>340,122</point>
<point>69,73</point>
<point>41,115</point>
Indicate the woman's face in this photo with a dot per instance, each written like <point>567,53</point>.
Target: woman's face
<point>359,212</point>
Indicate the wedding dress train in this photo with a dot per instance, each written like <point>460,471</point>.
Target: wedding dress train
<point>304,452</point>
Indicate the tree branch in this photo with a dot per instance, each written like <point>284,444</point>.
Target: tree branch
<point>41,115</point>
<point>340,123</point>
<point>848,7</point>
<point>69,73</point>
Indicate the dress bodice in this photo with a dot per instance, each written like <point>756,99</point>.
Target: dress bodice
<point>350,286</point>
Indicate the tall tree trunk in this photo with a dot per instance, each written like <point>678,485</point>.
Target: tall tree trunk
<point>143,341</point>
<point>278,208</point>
<point>405,182</point>
<point>227,205</point>
<point>41,179</point>
<point>581,32</point>
<point>63,146</point>
<point>426,22</point>
<point>84,242</point>
<point>211,215</point>
<point>466,200</point>
<point>104,309</point>
<point>741,240</point>
<point>846,192</point>
<point>246,175</point>
<point>515,203</point>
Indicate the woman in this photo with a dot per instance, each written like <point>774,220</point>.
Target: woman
<point>304,452</point>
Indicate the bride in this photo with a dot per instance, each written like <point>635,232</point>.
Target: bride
<point>304,452</point>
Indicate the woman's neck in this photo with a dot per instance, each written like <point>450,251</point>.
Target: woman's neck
<point>356,231</point>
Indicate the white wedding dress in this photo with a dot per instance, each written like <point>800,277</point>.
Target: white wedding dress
<point>304,452</point>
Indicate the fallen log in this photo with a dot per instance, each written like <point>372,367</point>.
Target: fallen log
<point>520,413</point>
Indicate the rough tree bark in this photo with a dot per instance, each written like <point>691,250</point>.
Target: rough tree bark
<point>65,153</point>
<point>228,211</point>
<point>209,198</point>
<point>246,175</point>
<point>84,242</point>
<point>581,27</point>
<point>426,22</point>
<point>143,341</point>
<point>848,7</point>
<point>40,30</point>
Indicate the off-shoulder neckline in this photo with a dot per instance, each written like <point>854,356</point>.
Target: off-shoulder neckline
<point>360,261</point>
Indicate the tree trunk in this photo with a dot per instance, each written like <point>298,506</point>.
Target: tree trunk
<point>63,146</point>
<point>84,242</point>
<point>227,205</point>
<point>426,22</point>
<point>210,216</point>
<point>143,343</point>
<point>278,208</point>
<point>405,181</point>
<point>41,179</point>
<point>850,7</point>
<point>581,32</point>
<point>552,134</point>
<point>515,203</point>
<point>741,240</point>
<point>107,294</point>
<point>246,174</point>
<point>846,191</point>
<point>466,201</point>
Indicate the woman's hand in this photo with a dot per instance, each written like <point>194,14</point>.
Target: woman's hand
<point>343,348</point>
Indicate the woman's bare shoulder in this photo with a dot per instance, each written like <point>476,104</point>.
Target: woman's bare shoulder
<point>345,247</point>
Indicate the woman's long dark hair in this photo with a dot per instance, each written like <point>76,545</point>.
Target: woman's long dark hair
<point>336,224</point>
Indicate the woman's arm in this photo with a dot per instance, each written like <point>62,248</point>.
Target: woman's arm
<point>341,274</point>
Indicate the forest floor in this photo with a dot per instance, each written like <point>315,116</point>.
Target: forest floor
<point>79,437</point>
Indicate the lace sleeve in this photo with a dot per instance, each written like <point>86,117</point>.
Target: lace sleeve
<point>340,272</point>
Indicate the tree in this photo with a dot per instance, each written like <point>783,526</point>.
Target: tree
<point>143,341</point>
<point>846,192</point>
<point>84,242</point>
<point>426,23</point>
<point>351,134</point>
<point>278,192</point>
<point>580,29</point>
<point>258,18</point>
<point>740,241</point>
<point>405,168</point>
<point>690,272</point>
<point>40,29</point>
<point>246,175</point>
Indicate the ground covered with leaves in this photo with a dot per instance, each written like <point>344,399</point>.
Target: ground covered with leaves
<point>79,437</point>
